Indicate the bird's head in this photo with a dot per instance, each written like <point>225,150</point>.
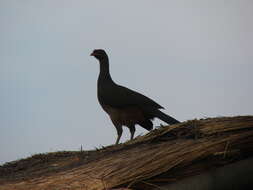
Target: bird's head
<point>99,54</point>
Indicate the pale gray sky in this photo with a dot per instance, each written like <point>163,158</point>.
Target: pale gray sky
<point>193,57</point>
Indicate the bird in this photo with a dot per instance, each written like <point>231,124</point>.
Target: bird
<point>124,106</point>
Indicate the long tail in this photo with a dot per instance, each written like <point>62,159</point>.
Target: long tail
<point>164,117</point>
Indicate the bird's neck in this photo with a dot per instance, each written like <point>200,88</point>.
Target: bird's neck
<point>104,74</point>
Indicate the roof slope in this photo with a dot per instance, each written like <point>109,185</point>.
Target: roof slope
<point>164,155</point>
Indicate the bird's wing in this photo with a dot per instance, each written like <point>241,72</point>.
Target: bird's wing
<point>119,96</point>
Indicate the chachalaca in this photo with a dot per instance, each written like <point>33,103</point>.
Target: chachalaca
<point>124,106</point>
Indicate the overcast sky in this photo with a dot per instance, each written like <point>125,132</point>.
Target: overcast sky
<point>192,57</point>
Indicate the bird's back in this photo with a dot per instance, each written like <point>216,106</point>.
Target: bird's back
<point>119,97</point>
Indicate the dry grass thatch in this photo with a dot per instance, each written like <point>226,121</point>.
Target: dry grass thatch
<point>164,155</point>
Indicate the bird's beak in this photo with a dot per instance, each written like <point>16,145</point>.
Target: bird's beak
<point>92,54</point>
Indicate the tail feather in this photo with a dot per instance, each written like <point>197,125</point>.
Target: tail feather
<point>166,118</point>
<point>147,124</point>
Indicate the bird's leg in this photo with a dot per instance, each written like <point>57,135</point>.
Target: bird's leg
<point>119,131</point>
<point>132,131</point>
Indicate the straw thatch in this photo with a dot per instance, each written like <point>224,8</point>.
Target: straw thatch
<point>163,156</point>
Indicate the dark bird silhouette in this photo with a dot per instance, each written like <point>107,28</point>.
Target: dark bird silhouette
<point>124,106</point>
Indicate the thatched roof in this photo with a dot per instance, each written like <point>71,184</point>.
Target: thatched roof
<point>164,155</point>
